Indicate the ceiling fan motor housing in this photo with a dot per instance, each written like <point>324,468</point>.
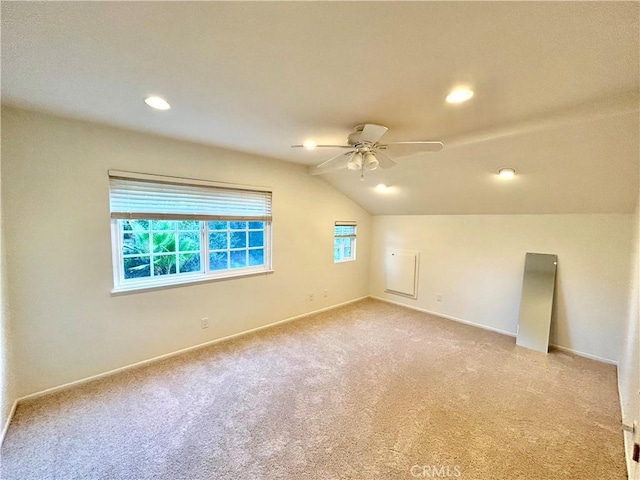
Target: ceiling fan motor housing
<point>354,138</point>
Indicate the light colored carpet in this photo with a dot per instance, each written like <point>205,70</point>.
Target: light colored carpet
<point>366,391</point>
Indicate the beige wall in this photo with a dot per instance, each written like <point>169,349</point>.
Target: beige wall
<point>476,262</point>
<point>7,378</point>
<point>56,212</point>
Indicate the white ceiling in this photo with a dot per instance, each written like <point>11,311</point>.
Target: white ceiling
<point>556,89</point>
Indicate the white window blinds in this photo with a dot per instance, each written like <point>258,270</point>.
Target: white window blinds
<point>140,196</point>
<point>345,229</point>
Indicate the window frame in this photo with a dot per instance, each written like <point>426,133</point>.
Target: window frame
<point>353,237</point>
<point>205,274</point>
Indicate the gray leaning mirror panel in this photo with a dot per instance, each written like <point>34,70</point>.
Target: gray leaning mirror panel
<point>536,303</point>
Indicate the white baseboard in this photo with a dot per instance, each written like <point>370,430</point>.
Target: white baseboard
<point>497,330</point>
<point>142,363</point>
<point>448,317</point>
<point>5,429</point>
<point>584,354</point>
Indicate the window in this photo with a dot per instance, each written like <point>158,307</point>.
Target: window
<point>168,231</point>
<point>344,242</point>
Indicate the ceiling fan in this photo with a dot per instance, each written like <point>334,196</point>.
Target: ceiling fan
<point>365,152</point>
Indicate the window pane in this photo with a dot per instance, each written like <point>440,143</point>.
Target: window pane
<point>238,239</point>
<point>137,267</point>
<point>218,225</point>
<point>218,241</point>
<point>256,239</point>
<point>189,262</point>
<point>163,225</point>
<point>133,243</point>
<point>164,242</point>
<point>135,224</point>
<point>189,241</point>
<point>172,248</point>
<point>189,225</point>
<point>256,257</point>
<point>239,259</point>
<point>164,264</point>
<point>344,242</point>
<point>218,261</point>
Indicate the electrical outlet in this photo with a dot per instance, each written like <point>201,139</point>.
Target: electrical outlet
<point>325,294</point>
<point>204,322</point>
<point>439,297</point>
<point>311,297</point>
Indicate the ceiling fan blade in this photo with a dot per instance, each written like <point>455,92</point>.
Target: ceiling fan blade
<point>341,164</point>
<point>383,160</point>
<point>404,149</point>
<point>325,163</point>
<point>322,146</point>
<point>372,133</point>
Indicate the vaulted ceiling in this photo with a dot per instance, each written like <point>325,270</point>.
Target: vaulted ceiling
<point>556,89</point>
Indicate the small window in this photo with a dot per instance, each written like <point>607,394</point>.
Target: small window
<point>344,242</point>
<point>168,231</point>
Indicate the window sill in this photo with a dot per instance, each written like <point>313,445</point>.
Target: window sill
<point>183,282</point>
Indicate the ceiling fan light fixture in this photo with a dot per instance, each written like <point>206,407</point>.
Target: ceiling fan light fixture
<point>370,161</point>
<point>459,95</point>
<point>356,162</point>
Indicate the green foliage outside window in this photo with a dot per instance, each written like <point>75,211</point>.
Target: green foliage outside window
<point>173,247</point>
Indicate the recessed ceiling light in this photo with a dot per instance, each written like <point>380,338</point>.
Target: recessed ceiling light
<point>506,172</point>
<point>381,187</point>
<point>157,103</point>
<point>309,144</point>
<point>459,95</point>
